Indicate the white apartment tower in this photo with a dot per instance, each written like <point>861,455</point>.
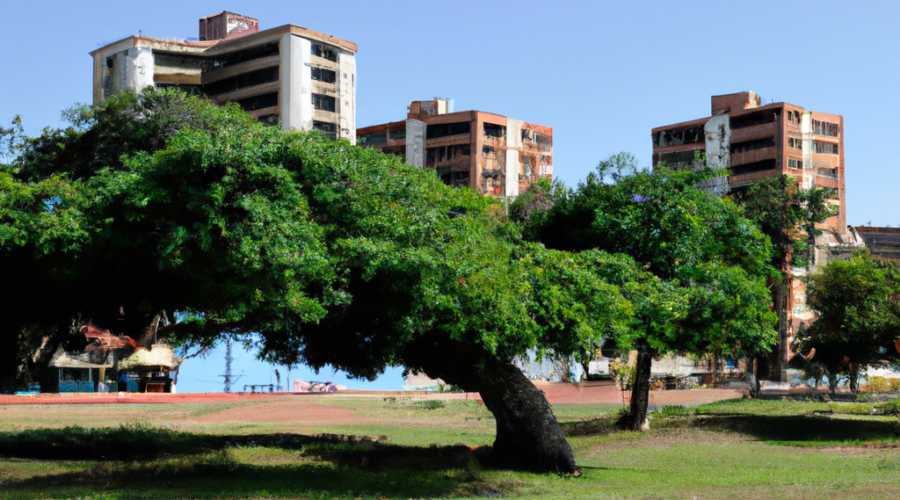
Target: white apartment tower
<point>292,76</point>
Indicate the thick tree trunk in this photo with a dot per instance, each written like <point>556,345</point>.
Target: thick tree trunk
<point>528,435</point>
<point>640,393</point>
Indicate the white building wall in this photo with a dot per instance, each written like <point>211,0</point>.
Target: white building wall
<point>513,144</point>
<point>138,68</point>
<point>296,84</point>
<point>809,171</point>
<point>347,99</point>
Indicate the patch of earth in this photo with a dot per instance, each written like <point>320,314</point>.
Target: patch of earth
<point>284,412</point>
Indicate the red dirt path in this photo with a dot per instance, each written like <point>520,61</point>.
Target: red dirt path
<point>557,393</point>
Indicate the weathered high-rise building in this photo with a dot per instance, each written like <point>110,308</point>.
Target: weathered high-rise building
<point>490,153</point>
<point>292,76</point>
<point>755,141</point>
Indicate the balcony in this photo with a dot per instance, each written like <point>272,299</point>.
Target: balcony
<point>754,133</point>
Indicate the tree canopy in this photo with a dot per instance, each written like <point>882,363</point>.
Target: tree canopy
<point>858,307</point>
<point>163,203</point>
<point>709,262</point>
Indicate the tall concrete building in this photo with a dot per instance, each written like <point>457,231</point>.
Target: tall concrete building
<point>755,141</point>
<point>490,153</point>
<point>292,76</point>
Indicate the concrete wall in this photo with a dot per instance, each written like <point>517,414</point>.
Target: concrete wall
<point>718,151</point>
<point>346,80</point>
<point>296,83</point>
<point>415,143</point>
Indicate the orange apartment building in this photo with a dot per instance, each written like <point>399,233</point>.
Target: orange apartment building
<point>490,153</point>
<point>754,141</point>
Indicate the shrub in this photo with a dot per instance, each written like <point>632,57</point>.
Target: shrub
<point>432,404</point>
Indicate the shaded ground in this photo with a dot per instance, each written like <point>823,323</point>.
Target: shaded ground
<point>265,449</point>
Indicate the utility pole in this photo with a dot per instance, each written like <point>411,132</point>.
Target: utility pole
<point>228,359</point>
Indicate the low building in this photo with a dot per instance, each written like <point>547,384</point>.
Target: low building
<point>490,153</point>
<point>882,242</point>
<point>289,76</point>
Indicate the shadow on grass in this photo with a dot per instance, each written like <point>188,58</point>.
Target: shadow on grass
<point>152,463</point>
<point>794,429</point>
<point>799,428</point>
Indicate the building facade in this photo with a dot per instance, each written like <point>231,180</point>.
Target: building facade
<point>289,76</point>
<point>757,141</point>
<point>490,153</point>
<point>753,142</point>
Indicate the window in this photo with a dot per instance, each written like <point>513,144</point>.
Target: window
<point>830,173</point>
<point>328,129</point>
<point>495,131</point>
<point>825,128</point>
<point>795,143</point>
<point>794,163</point>
<point>323,51</point>
<point>323,75</point>
<point>826,148</point>
<point>445,129</point>
<point>323,102</point>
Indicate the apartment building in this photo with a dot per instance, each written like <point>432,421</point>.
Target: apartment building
<point>756,141</point>
<point>288,76</point>
<point>490,153</point>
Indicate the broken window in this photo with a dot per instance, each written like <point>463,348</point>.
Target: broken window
<point>328,129</point>
<point>830,173</point>
<point>245,80</point>
<point>744,147</point>
<point>372,141</point>
<point>323,102</point>
<point>544,142</point>
<point>323,51</point>
<point>259,101</point>
<point>252,54</point>
<point>494,131</point>
<point>757,166</point>
<point>825,128</point>
<point>323,75</point>
<point>752,119</point>
<point>794,163</point>
<point>445,129</point>
<point>826,148</point>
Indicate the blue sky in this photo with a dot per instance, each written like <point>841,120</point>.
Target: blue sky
<point>602,74</point>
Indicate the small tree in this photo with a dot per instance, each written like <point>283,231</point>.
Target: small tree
<point>858,308</point>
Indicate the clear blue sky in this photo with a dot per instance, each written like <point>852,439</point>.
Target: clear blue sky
<point>602,74</point>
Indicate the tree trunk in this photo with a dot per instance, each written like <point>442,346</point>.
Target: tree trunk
<point>640,393</point>
<point>528,435</point>
<point>832,382</point>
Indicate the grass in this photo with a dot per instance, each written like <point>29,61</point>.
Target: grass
<point>736,450</point>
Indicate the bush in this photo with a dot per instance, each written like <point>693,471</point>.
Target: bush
<point>432,404</point>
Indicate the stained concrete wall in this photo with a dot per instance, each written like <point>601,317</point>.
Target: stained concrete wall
<point>346,80</point>
<point>718,151</point>
<point>415,143</point>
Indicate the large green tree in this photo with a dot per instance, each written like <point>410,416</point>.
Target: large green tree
<point>709,261</point>
<point>164,204</point>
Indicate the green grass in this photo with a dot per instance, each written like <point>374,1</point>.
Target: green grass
<point>735,450</point>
